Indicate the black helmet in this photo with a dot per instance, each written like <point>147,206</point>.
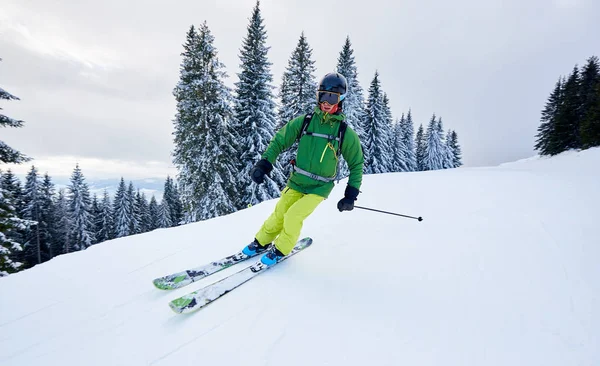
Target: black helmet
<point>334,82</point>
<point>332,89</point>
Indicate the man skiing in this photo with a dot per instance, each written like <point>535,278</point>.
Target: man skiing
<point>322,135</point>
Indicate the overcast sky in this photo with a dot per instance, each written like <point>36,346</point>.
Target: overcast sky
<point>95,78</point>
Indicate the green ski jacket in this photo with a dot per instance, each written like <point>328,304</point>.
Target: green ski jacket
<point>317,155</point>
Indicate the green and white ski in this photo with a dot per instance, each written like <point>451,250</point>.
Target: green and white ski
<point>184,278</point>
<point>199,299</point>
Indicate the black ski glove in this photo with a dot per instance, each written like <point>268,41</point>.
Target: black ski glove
<point>260,169</point>
<point>347,203</point>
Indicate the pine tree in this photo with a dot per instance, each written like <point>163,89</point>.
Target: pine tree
<point>95,216</point>
<point>376,134</point>
<point>456,150</point>
<point>297,93</point>
<point>13,192</point>
<point>433,158</point>
<point>447,157</point>
<point>48,225</point>
<point>566,132</point>
<point>80,211</point>
<point>154,214</point>
<point>144,211</point>
<point>255,118</point>
<point>164,215</point>
<point>546,137</point>
<point>122,212</point>
<point>204,151</point>
<point>354,103</point>
<point>104,220</point>
<point>8,154</point>
<point>408,131</point>
<point>62,243</point>
<point>32,197</point>
<point>9,224</point>
<point>388,128</point>
<point>172,197</point>
<point>421,145</point>
<point>134,223</point>
<point>8,247</point>
<point>399,148</point>
<point>590,94</point>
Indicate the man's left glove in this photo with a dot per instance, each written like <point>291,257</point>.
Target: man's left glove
<point>260,169</point>
<point>347,203</point>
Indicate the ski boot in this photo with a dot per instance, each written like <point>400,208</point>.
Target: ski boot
<point>254,248</point>
<point>272,256</point>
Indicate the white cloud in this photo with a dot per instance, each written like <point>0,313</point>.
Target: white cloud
<point>45,35</point>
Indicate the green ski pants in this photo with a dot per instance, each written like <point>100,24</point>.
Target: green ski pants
<point>285,223</point>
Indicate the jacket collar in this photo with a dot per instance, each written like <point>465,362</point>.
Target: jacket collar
<point>338,116</point>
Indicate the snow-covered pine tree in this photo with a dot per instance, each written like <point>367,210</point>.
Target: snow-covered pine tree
<point>456,150</point>
<point>255,118</point>
<point>134,227</point>
<point>8,247</point>
<point>164,215</point>
<point>449,150</point>
<point>95,213</point>
<point>9,222</point>
<point>122,212</point>
<point>48,225</point>
<point>399,147</point>
<point>447,157</point>
<point>434,153</point>
<point>144,211</point>
<point>171,196</point>
<point>7,153</point>
<point>154,214</point>
<point>376,134</point>
<point>354,103</point>
<point>82,234</point>
<point>544,143</point>
<point>389,130</point>
<point>421,145</point>
<point>590,95</point>
<point>62,242</point>
<point>104,221</point>
<point>12,185</point>
<point>566,132</point>
<point>297,93</point>
<point>408,131</point>
<point>204,154</point>
<point>32,197</point>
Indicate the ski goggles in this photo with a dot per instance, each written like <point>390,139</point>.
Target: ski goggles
<point>332,98</point>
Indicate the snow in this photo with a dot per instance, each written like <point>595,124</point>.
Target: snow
<point>502,271</point>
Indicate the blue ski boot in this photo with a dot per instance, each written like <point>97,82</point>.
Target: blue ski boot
<point>272,256</point>
<point>254,248</point>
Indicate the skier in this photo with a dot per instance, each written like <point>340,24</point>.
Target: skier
<point>319,136</point>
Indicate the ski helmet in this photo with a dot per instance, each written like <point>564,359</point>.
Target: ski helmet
<point>333,82</point>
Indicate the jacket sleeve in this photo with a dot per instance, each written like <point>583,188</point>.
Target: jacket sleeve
<point>283,139</point>
<point>353,154</point>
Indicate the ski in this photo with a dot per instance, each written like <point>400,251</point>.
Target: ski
<point>184,278</point>
<point>198,299</point>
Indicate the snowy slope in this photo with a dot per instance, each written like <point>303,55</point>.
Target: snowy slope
<point>502,271</point>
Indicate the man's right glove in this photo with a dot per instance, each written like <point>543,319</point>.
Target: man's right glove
<point>260,169</point>
<point>347,203</point>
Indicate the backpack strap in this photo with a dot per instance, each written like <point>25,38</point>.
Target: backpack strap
<point>307,119</point>
<point>341,134</point>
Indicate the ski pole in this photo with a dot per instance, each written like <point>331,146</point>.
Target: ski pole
<point>390,213</point>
